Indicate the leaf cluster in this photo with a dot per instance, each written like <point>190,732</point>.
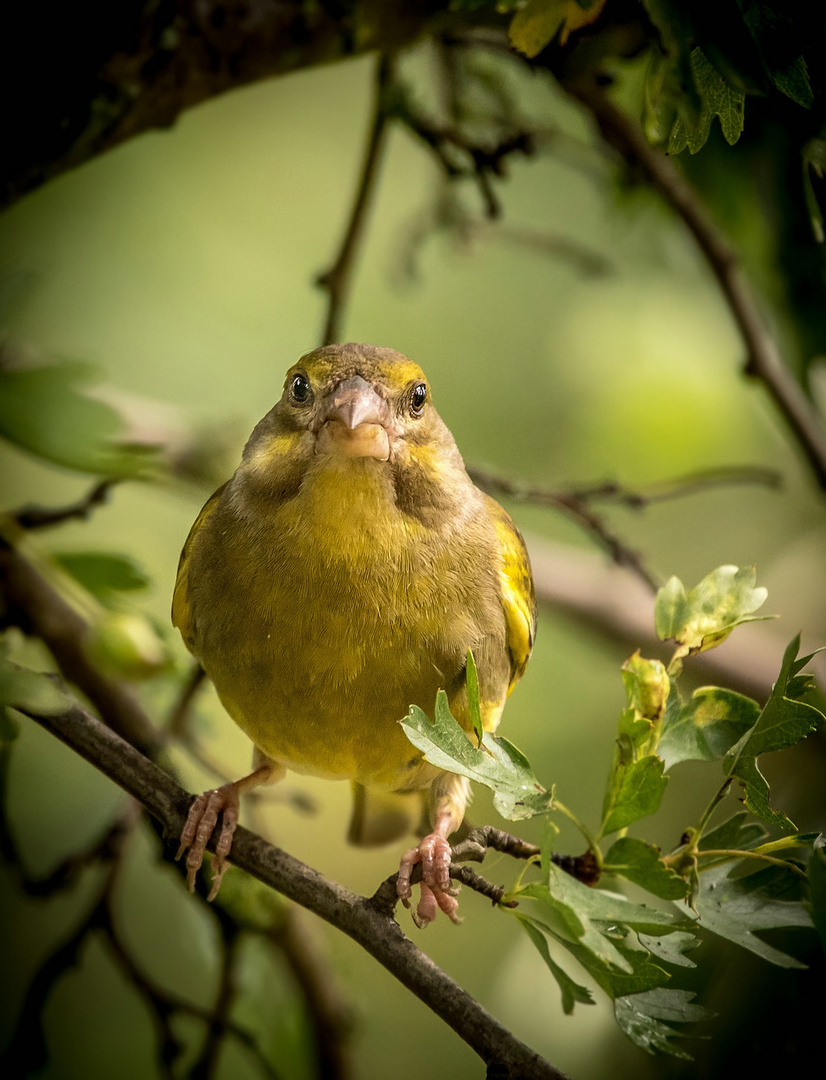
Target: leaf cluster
<point>727,878</point>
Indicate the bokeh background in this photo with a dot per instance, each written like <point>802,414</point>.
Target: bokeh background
<point>182,267</point>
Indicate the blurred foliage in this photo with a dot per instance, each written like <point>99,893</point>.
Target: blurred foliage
<point>180,268</point>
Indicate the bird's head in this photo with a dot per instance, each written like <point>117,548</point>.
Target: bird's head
<point>355,406</point>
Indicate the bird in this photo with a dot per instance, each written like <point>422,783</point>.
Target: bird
<point>340,576</point>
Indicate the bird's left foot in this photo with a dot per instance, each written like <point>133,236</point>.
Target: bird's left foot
<point>203,816</point>
<point>437,892</point>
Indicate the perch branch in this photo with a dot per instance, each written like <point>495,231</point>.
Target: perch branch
<point>353,915</point>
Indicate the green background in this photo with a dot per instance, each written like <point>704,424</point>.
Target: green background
<point>182,266</point>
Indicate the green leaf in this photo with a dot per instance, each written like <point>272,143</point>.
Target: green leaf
<point>648,1018</point>
<point>706,616</point>
<point>641,972</point>
<point>102,573</point>
<point>817,883</point>
<point>719,98</point>
<point>647,686</point>
<point>737,908</point>
<point>474,709</point>
<point>671,948</point>
<point>571,991</point>
<point>706,727</point>
<point>22,688</point>
<point>793,81</point>
<point>784,721</point>
<point>641,863</point>
<point>589,917</point>
<point>634,791</point>
<point>497,764</point>
<point>536,24</point>
<point>48,411</point>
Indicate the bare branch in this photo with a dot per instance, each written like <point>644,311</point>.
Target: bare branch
<point>337,280</point>
<point>32,604</point>
<point>576,508</point>
<point>353,915</point>
<point>39,517</point>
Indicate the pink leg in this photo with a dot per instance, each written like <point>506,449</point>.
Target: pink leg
<point>450,797</point>
<point>224,803</point>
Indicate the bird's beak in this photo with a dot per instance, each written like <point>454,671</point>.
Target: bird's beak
<point>356,421</point>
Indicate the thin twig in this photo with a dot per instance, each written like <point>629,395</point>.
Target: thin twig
<point>353,915</point>
<point>204,1067</point>
<point>763,359</point>
<point>681,486</point>
<point>39,517</point>
<point>577,509</point>
<point>337,280</point>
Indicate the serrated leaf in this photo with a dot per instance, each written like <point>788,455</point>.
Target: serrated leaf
<point>793,81</point>
<point>641,863</point>
<point>719,97</point>
<point>705,727</point>
<point>648,1018</point>
<point>48,411</point>
<point>103,573</point>
<point>704,617</point>
<point>737,908</point>
<point>784,721</point>
<point>635,790</point>
<point>589,917</point>
<point>571,991</point>
<point>497,764</point>
<point>472,680</point>
<point>817,885</point>
<point>671,948</point>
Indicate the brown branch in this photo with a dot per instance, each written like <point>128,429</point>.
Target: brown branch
<point>79,97</point>
<point>353,915</point>
<point>578,510</point>
<point>337,280</point>
<point>39,517</point>
<point>763,360</point>
<point>32,604</point>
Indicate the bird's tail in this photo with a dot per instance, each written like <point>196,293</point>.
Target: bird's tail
<point>380,817</point>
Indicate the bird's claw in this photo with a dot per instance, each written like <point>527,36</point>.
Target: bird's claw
<point>437,891</point>
<point>203,816</point>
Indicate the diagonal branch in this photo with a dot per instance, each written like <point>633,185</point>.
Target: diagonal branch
<point>353,915</point>
<point>763,359</point>
<point>337,280</point>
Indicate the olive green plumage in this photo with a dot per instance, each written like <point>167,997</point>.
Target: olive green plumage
<point>344,571</point>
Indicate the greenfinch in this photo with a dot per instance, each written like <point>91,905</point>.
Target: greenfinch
<point>340,576</point>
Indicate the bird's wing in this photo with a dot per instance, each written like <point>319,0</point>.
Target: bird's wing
<point>182,613</point>
<point>517,591</point>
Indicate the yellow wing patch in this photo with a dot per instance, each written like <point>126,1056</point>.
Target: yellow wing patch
<point>518,596</point>
<point>182,615</point>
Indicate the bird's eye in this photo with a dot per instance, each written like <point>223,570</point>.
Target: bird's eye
<point>300,389</point>
<point>418,397</point>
